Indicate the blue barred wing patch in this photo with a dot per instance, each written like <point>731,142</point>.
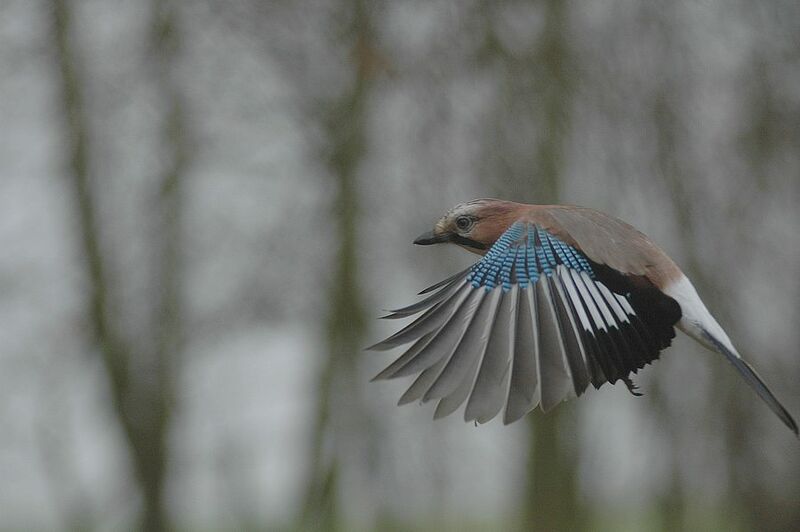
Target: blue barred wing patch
<point>521,255</point>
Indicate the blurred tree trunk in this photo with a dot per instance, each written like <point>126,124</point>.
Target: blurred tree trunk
<point>140,372</point>
<point>168,206</point>
<point>743,500</point>
<point>771,132</point>
<point>552,498</point>
<point>340,415</point>
<point>537,96</point>
<point>731,405</point>
<point>671,504</point>
<point>673,171</point>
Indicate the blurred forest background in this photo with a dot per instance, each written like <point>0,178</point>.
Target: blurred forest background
<point>204,205</point>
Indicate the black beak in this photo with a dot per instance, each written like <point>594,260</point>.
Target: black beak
<point>426,239</point>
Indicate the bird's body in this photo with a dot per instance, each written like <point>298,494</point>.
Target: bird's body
<point>562,297</point>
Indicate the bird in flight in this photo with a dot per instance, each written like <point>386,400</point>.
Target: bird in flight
<point>563,297</point>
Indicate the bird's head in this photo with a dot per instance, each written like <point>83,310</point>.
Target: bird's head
<point>474,225</point>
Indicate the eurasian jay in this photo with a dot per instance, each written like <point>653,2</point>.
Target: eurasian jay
<point>563,297</point>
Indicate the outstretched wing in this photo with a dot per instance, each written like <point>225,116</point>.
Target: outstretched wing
<point>532,323</point>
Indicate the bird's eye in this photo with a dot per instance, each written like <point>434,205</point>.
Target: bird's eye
<point>464,222</point>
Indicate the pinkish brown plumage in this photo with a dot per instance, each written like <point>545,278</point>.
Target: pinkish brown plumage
<point>563,297</point>
<point>603,238</point>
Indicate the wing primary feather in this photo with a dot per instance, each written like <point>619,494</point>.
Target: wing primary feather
<point>450,403</point>
<point>602,306</point>
<point>643,335</point>
<point>556,381</point>
<point>591,308</point>
<point>570,333</point>
<point>613,303</point>
<point>625,331</point>
<point>459,275</point>
<point>499,395</point>
<point>623,319</point>
<point>391,371</point>
<point>606,336</point>
<point>601,344</point>
<point>419,306</point>
<point>592,350</point>
<point>622,352</point>
<point>469,348</point>
<point>633,318</point>
<point>488,393</point>
<point>569,283</point>
<point>421,383</point>
<point>636,336</point>
<point>648,344</point>
<point>611,337</point>
<point>442,344</point>
<point>625,304</point>
<point>431,320</point>
<point>524,392</point>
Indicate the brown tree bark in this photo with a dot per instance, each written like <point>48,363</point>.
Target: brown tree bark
<point>143,397</point>
<point>339,416</point>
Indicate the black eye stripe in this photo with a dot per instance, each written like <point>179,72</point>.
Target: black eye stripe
<point>464,241</point>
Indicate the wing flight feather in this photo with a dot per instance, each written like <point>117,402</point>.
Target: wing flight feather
<point>531,324</point>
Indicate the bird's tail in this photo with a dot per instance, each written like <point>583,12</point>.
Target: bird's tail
<point>697,322</point>
<point>755,382</point>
